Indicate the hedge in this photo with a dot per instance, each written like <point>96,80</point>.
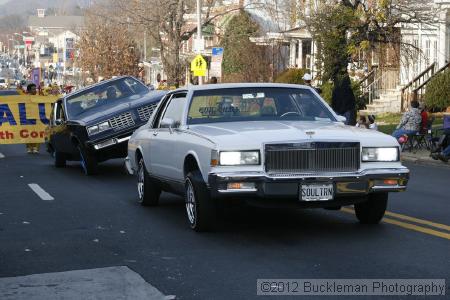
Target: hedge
<point>437,95</point>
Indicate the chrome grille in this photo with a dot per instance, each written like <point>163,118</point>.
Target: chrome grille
<point>313,157</point>
<point>145,112</point>
<point>122,121</point>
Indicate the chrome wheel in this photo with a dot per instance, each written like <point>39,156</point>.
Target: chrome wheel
<point>140,182</point>
<point>190,202</point>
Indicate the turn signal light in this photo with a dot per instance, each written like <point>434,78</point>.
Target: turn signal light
<point>240,185</point>
<point>234,186</point>
<point>214,162</point>
<point>390,181</point>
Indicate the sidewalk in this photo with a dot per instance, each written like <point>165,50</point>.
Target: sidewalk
<point>422,157</point>
<point>104,283</point>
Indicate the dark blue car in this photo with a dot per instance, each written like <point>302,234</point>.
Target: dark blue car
<point>94,124</point>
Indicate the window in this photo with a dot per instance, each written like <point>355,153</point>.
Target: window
<point>256,104</point>
<point>427,51</point>
<point>416,58</point>
<point>109,93</point>
<point>435,51</point>
<point>174,110</point>
<point>160,111</point>
<point>57,112</point>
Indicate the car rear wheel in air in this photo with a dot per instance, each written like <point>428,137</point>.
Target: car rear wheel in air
<point>200,208</point>
<point>60,159</point>
<point>148,189</point>
<point>88,162</point>
<point>372,210</point>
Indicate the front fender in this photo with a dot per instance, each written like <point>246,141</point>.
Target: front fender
<point>200,164</point>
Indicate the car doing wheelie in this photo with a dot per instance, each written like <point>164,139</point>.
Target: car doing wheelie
<point>268,144</point>
<point>94,124</point>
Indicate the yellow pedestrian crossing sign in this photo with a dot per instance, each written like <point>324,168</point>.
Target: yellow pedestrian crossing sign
<point>199,66</point>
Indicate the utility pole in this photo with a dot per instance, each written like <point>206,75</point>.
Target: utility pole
<point>145,45</point>
<point>199,34</point>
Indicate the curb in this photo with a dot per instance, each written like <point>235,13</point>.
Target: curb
<point>425,162</point>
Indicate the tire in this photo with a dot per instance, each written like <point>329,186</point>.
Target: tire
<point>372,210</point>
<point>88,162</point>
<point>148,190</point>
<point>60,159</point>
<point>200,207</point>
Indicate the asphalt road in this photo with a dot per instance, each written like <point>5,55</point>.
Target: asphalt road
<point>95,222</point>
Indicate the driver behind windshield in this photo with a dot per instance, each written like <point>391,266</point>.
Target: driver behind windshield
<point>111,93</point>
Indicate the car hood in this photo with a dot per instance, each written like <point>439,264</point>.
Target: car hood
<point>252,135</point>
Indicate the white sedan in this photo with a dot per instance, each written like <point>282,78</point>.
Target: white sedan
<point>267,144</point>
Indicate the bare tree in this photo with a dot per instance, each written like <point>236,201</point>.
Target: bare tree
<point>166,22</point>
<point>106,48</point>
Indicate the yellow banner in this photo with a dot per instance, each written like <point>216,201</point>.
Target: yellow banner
<point>23,118</point>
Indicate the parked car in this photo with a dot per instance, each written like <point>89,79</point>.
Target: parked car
<point>267,144</point>
<point>3,83</point>
<point>94,124</point>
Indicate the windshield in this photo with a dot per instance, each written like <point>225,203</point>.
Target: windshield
<point>108,94</point>
<point>257,104</point>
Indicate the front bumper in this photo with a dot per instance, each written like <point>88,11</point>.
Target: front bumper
<point>345,185</point>
<point>110,142</point>
<point>109,147</point>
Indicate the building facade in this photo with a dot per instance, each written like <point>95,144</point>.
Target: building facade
<point>426,44</point>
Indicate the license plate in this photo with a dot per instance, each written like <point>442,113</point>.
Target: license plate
<point>316,192</point>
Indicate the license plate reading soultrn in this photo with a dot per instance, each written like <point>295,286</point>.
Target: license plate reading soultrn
<point>316,192</point>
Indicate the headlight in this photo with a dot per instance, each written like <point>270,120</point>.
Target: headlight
<point>380,154</point>
<point>98,128</point>
<point>232,158</point>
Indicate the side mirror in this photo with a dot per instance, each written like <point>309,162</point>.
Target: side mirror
<point>167,123</point>
<point>59,121</point>
<point>341,119</point>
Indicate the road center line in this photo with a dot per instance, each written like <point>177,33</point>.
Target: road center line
<point>419,221</point>
<point>1,155</point>
<point>408,225</point>
<point>40,192</point>
<point>417,228</point>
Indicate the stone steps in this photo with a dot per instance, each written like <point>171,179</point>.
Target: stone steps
<point>388,102</point>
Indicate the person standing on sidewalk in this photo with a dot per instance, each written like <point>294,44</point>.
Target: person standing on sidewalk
<point>32,147</point>
<point>343,99</point>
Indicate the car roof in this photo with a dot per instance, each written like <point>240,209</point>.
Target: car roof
<point>206,87</point>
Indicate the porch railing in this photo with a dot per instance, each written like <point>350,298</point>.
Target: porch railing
<point>411,90</point>
<point>383,80</point>
<point>366,82</point>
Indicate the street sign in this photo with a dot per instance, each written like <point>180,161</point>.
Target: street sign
<point>19,46</point>
<point>199,45</point>
<point>28,39</point>
<point>216,62</point>
<point>199,66</point>
<point>217,51</point>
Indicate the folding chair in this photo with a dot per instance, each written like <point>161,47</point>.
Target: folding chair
<point>422,139</point>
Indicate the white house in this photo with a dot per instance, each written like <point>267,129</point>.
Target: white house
<point>433,40</point>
